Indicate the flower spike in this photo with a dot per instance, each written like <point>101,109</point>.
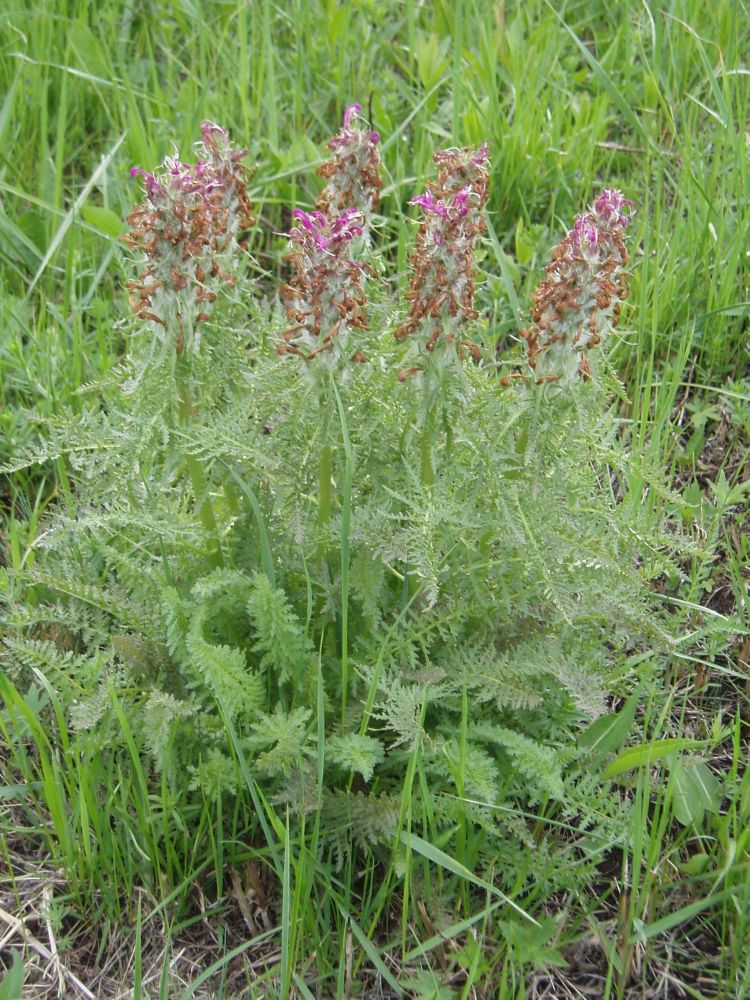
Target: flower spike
<point>441,292</point>
<point>188,229</point>
<point>353,171</point>
<point>579,300</point>
<point>325,298</point>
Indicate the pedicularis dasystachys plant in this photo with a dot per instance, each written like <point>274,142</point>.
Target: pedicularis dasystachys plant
<point>343,558</point>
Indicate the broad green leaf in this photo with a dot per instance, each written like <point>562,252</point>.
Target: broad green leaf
<point>696,864</point>
<point>103,219</point>
<point>647,753</point>
<point>11,985</point>
<point>696,790</point>
<point>609,732</point>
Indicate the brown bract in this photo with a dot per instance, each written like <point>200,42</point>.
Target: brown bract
<point>181,251</point>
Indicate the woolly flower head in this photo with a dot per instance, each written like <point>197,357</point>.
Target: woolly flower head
<point>188,230</point>
<point>325,298</point>
<point>353,170</point>
<point>458,168</point>
<point>441,291</point>
<point>579,300</point>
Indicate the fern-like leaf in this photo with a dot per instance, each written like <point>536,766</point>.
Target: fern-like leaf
<point>284,739</point>
<point>355,752</point>
<point>225,672</point>
<point>279,633</point>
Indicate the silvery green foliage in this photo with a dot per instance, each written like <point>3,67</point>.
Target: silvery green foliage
<point>467,598</point>
<point>509,583</point>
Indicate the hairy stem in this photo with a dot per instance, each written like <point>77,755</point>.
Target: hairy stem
<point>197,476</point>
<point>428,473</point>
<point>427,468</point>
<point>325,486</point>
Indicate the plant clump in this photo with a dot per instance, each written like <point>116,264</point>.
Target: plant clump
<point>291,596</point>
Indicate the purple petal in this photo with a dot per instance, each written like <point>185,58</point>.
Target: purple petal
<point>304,218</point>
<point>149,180</point>
<point>351,112</point>
<point>481,154</point>
<point>461,202</point>
<point>612,206</point>
<point>211,132</point>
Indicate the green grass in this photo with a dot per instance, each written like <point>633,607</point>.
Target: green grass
<point>571,95</point>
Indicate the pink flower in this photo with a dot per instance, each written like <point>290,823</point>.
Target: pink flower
<point>430,203</point>
<point>481,154</point>
<point>153,187</point>
<point>608,208</point>
<point>441,292</point>
<point>584,233</point>
<point>351,113</point>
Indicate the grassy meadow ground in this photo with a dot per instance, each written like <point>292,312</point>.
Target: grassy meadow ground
<point>572,95</point>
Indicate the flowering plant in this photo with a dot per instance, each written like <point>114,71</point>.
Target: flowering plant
<point>318,590</point>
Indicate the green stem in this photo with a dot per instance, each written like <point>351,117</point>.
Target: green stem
<point>428,472</point>
<point>325,486</point>
<point>198,479</point>
<point>427,468</point>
